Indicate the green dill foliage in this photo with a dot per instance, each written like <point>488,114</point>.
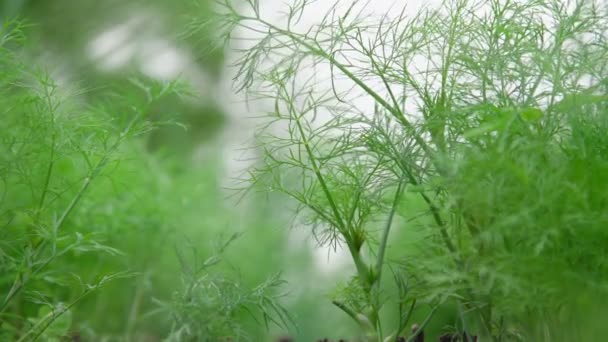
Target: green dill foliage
<point>90,209</point>
<point>211,306</point>
<point>55,148</point>
<point>464,141</point>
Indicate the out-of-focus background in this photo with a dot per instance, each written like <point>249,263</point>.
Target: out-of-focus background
<point>176,196</point>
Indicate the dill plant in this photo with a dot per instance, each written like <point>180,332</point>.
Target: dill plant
<point>210,305</point>
<point>84,205</point>
<point>55,148</point>
<point>469,131</point>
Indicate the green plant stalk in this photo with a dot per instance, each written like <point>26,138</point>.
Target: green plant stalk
<point>385,234</point>
<point>38,329</point>
<point>403,322</point>
<point>51,108</point>
<point>48,174</point>
<point>23,276</point>
<point>44,323</point>
<point>352,314</point>
<point>424,323</point>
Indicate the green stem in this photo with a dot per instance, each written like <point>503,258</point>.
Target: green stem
<point>49,171</point>
<point>387,228</point>
<point>352,314</point>
<point>424,323</point>
<point>51,317</point>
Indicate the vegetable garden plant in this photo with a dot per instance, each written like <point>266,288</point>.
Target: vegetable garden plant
<point>458,153</point>
<point>484,148</point>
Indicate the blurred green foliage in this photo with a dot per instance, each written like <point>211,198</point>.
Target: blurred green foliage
<point>98,179</point>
